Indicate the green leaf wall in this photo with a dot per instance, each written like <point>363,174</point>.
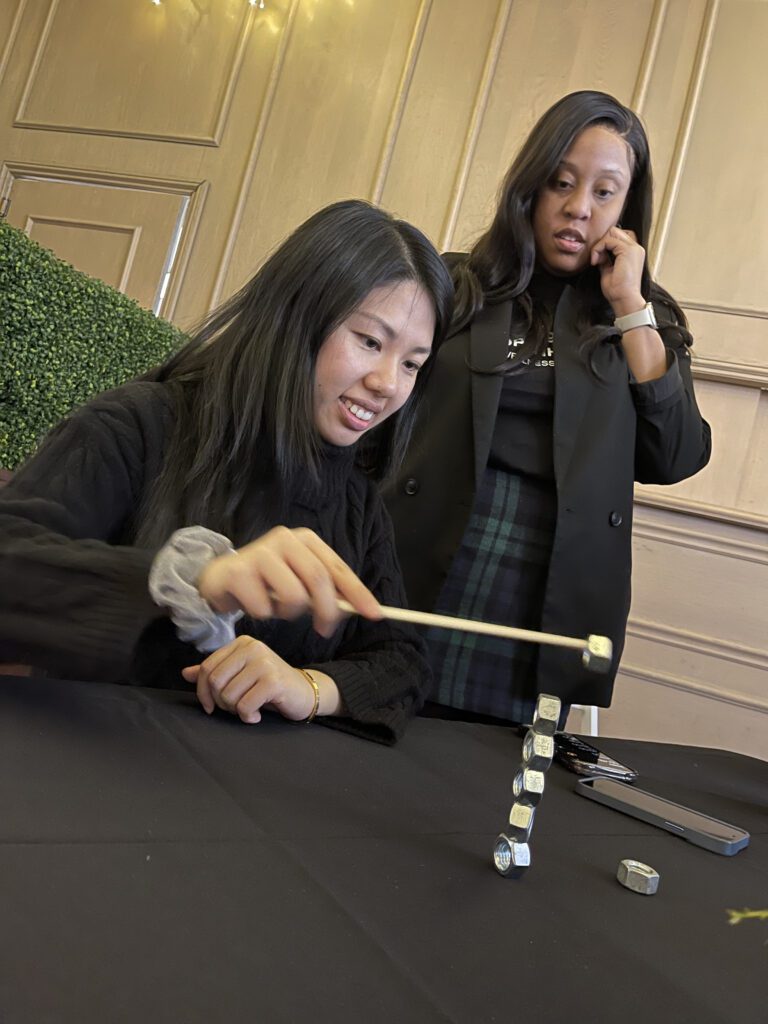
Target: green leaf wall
<point>64,337</point>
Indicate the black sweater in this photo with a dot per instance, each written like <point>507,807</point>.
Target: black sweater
<point>73,585</point>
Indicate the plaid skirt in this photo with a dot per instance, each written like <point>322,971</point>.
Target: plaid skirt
<point>499,574</point>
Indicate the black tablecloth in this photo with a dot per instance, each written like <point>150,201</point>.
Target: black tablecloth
<point>157,865</point>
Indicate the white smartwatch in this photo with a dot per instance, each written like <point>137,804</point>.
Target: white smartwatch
<point>644,317</point>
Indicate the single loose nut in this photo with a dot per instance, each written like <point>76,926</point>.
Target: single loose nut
<point>638,877</point>
<point>511,858</point>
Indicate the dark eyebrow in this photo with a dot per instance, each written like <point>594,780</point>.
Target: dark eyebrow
<point>390,333</point>
<point>612,171</point>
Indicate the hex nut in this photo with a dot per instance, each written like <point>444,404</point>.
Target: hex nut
<point>598,654</point>
<point>528,786</point>
<point>638,877</point>
<point>547,714</point>
<point>521,821</point>
<point>538,751</point>
<point>510,857</point>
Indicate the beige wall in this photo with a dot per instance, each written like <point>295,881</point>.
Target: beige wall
<point>182,141</point>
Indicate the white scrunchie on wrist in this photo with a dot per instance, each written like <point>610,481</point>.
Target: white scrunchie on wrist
<point>173,585</point>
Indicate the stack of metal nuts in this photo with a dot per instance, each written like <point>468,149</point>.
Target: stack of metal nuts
<point>512,851</point>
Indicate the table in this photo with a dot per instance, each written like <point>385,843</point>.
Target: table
<point>157,865</point>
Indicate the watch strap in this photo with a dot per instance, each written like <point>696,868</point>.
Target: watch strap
<point>644,317</point>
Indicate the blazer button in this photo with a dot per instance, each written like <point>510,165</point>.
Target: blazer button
<point>615,519</point>
<point>411,485</point>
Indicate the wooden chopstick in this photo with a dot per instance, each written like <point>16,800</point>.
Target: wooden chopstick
<point>471,626</point>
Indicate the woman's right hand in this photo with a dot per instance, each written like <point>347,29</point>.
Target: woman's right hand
<point>282,575</point>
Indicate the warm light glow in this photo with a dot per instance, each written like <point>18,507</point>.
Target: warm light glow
<point>257,3</point>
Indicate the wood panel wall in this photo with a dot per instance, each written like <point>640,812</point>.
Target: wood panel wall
<point>167,148</point>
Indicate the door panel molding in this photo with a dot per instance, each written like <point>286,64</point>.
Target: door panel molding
<point>10,39</point>
<point>132,231</point>
<point>191,194</point>
<point>398,107</point>
<point>677,682</point>
<point>689,536</point>
<point>746,375</point>
<point>211,137</point>
<point>663,224</point>
<point>479,109</point>
<point>690,506</point>
<point>721,307</point>
<point>699,643</point>
<point>265,113</point>
<point>648,59</point>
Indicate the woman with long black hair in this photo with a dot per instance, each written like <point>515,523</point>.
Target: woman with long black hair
<point>565,379</point>
<point>223,502</point>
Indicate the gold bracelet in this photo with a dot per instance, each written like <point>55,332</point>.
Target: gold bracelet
<point>316,690</point>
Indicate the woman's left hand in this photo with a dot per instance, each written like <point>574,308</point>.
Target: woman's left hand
<point>246,676</point>
<point>621,260</point>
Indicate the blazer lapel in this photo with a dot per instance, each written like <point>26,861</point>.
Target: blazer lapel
<point>489,333</point>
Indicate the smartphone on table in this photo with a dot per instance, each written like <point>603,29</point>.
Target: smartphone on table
<point>710,833</point>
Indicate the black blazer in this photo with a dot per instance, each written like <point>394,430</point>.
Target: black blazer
<point>607,434</point>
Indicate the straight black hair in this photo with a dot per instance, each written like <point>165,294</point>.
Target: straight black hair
<point>243,386</point>
<point>501,263</point>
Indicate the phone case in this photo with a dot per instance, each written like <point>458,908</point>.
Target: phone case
<point>699,829</point>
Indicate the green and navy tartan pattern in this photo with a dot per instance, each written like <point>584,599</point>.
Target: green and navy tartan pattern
<point>499,574</point>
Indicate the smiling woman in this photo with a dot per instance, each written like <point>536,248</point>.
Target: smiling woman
<point>222,503</point>
<point>367,367</point>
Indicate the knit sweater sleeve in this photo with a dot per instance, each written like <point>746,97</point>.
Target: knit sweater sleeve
<point>74,596</point>
<point>380,668</point>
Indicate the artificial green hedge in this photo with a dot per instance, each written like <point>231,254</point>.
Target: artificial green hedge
<point>64,337</point>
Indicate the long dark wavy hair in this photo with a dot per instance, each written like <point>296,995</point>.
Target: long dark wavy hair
<point>243,386</point>
<point>501,263</point>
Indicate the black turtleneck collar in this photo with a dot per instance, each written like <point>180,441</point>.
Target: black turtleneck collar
<point>335,463</point>
<point>545,288</point>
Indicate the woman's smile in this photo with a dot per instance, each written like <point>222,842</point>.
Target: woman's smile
<point>366,368</point>
<point>359,415</point>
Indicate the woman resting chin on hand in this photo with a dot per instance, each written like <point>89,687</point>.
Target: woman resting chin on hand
<point>565,379</point>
